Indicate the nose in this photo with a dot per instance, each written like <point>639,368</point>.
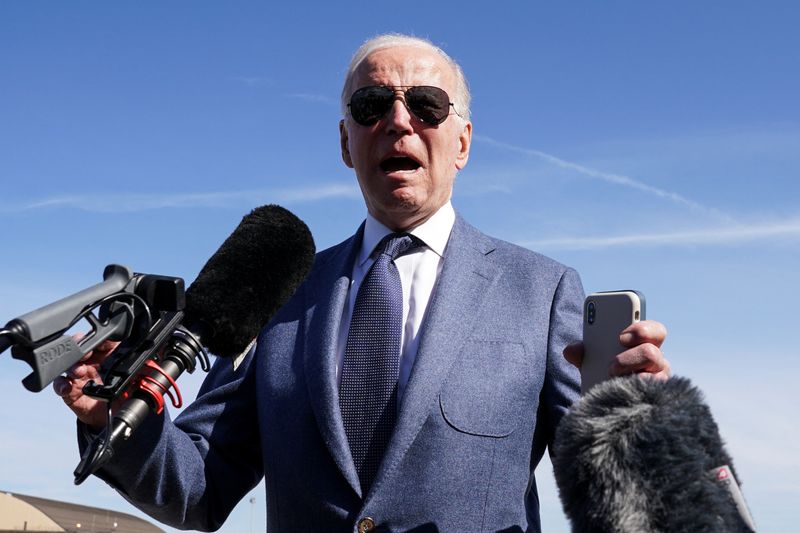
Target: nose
<point>398,118</point>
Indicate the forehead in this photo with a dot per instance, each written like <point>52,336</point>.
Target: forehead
<point>404,65</point>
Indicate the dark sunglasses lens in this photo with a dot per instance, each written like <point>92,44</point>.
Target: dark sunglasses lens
<point>429,104</point>
<point>369,104</point>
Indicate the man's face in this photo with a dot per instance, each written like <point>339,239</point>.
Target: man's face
<point>405,167</point>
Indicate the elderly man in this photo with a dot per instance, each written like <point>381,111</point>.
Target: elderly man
<point>414,380</point>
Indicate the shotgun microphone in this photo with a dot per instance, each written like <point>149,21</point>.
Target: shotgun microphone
<point>637,454</point>
<point>254,272</point>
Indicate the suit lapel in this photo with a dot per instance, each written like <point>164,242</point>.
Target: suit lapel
<point>322,332</point>
<point>466,276</point>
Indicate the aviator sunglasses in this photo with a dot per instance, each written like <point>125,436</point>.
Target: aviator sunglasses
<point>429,104</point>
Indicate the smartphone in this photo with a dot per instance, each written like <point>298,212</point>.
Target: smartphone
<point>605,315</point>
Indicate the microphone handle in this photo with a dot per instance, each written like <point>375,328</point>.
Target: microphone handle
<point>57,316</point>
<point>5,340</point>
<point>136,408</point>
<point>132,413</point>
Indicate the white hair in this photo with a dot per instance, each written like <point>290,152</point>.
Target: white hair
<point>461,98</point>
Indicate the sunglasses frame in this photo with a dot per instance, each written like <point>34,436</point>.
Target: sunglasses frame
<point>402,89</point>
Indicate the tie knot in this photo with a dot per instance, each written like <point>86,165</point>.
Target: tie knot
<point>396,244</point>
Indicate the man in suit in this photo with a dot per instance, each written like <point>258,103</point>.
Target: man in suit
<point>480,377</point>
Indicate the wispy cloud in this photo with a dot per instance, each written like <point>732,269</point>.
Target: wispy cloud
<point>733,234</point>
<point>134,202</point>
<point>311,97</point>
<point>616,179</point>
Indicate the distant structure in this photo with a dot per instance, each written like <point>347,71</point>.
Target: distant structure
<point>21,513</point>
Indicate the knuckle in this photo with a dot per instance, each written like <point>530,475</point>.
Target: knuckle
<point>655,331</point>
<point>650,352</point>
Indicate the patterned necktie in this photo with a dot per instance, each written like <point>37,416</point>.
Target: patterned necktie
<point>368,390</point>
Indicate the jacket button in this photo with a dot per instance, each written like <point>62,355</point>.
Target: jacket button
<point>365,525</point>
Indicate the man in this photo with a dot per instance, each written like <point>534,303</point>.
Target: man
<point>480,380</point>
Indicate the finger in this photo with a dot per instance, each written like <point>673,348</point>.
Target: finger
<point>644,332</point>
<point>70,386</point>
<point>61,386</point>
<point>573,353</point>
<point>100,353</point>
<point>83,372</point>
<point>71,392</point>
<point>107,347</point>
<point>644,358</point>
<point>88,410</point>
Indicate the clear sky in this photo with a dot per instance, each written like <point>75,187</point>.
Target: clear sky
<point>650,145</point>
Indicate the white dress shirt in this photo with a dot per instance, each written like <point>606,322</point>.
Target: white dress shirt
<point>418,270</point>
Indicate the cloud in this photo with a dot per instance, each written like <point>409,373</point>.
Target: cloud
<point>131,202</point>
<point>616,179</point>
<point>733,234</point>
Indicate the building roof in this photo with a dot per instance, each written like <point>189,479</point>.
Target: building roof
<point>19,512</point>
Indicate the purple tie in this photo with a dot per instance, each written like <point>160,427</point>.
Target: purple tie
<point>368,390</point>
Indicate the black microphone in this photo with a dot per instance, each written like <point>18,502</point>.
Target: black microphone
<point>250,277</point>
<point>254,272</point>
<point>638,454</point>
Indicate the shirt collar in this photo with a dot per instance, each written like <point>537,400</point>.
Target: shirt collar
<point>434,232</point>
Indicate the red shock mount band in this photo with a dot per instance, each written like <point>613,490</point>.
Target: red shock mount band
<point>156,390</point>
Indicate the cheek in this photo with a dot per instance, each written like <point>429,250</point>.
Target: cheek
<point>359,149</point>
<point>445,150</point>
<point>443,162</point>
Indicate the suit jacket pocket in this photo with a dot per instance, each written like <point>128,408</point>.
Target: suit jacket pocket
<point>489,389</point>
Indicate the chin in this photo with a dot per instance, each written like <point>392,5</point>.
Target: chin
<point>398,218</point>
<point>402,200</point>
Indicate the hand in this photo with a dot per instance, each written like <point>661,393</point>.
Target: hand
<point>643,341</point>
<point>90,411</point>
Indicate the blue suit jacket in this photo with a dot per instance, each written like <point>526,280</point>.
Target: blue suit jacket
<point>487,388</point>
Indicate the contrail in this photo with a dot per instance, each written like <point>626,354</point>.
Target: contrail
<point>132,202</point>
<point>712,236</point>
<point>617,179</point>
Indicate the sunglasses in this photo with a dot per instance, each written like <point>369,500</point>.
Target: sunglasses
<point>429,104</point>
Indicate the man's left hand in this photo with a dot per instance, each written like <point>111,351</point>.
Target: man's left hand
<point>643,341</point>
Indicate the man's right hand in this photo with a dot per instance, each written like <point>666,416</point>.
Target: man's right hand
<point>90,411</point>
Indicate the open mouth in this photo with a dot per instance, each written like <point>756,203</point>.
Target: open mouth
<point>399,164</point>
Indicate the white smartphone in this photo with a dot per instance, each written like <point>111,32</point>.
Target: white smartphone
<point>605,316</point>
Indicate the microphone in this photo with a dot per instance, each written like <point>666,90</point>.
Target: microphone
<point>240,288</point>
<point>250,277</point>
<point>637,454</point>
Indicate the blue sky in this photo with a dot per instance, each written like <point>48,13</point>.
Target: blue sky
<point>649,145</point>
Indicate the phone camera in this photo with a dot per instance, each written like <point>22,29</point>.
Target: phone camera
<point>590,312</point>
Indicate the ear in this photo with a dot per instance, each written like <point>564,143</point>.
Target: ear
<point>464,142</point>
<point>343,140</point>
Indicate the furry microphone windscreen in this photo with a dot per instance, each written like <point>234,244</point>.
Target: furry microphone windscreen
<point>254,272</point>
<point>636,455</point>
